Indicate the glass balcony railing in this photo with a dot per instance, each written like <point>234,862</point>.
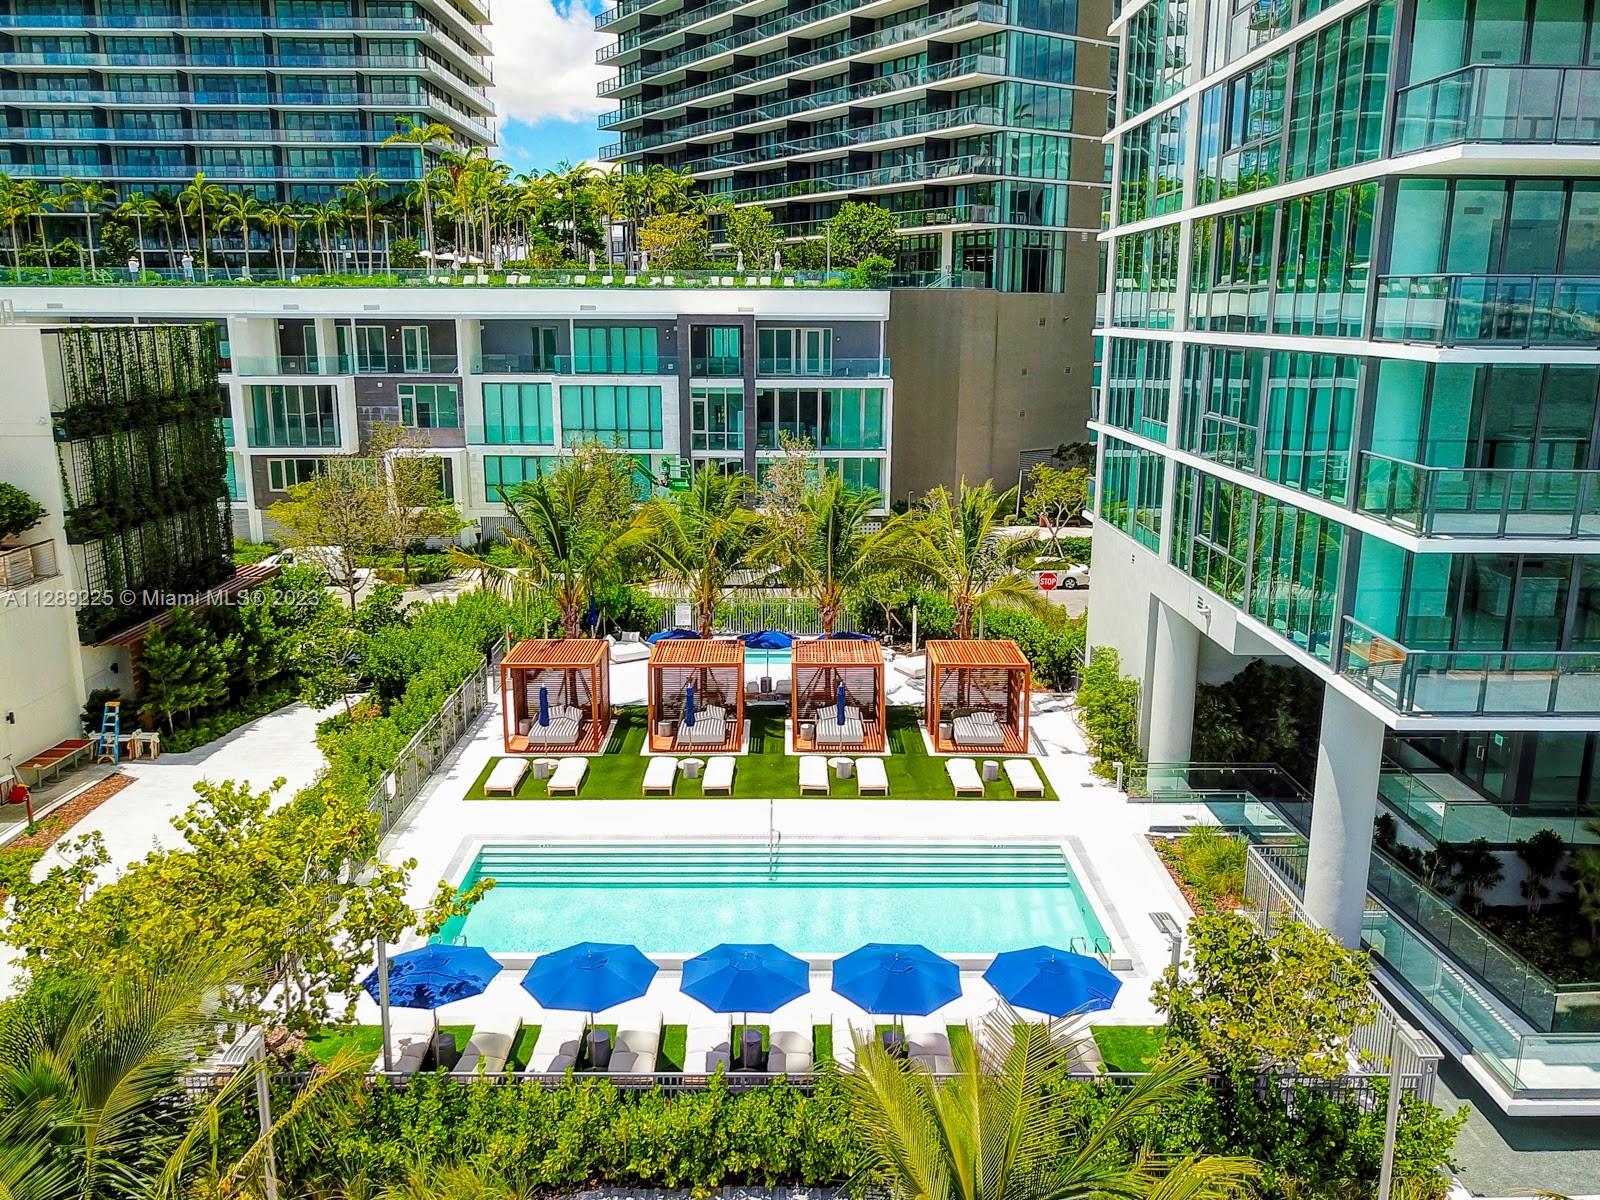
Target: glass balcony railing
<point>1480,502</point>
<point>562,364</point>
<point>971,114</point>
<point>1504,104</point>
<point>833,368</point>
<point>428,364</point>
<point>1443,683</point>
<point>912,172</point>
<point>716,366</point>
<point>1499,310</point>
<point>292,364</point>
<point>310,436</point>
<point>1431,804</point>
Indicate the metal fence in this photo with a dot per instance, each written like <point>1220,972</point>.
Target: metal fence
<point>1274,885</point>
<point>395,792</point>
<point>792,614</point>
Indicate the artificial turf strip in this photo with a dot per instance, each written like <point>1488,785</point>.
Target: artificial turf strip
<point>522,1048</point>
<point>1129,1048</point>
<point>821,1044</point>
<point>324,1045</point>
<point>766,772</point>
<point>674,1045</point>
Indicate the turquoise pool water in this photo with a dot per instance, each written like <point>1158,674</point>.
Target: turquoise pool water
<point>682,898</point>
<point>755,660</point>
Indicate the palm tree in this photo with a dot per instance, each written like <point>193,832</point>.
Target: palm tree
<point>240,208</point>
<point>198,197</point>
<point>831,550</point>
<point>425,137</point>
<point>954,543</point>
<point>90,197</point>
<point>358,193</point>
<point>572,185</point>
<point>138,208</point>
<point>699,540</point>
<point>323,217</point>
<point>994,1131</point>
<point>13,207</point>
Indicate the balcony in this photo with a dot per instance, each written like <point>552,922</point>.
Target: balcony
<point>563,364</point>
<point>427,364</point>
<point>22,565</point>
<point>924,123</point>
<point>292,364</point>
<point>1500,104</point>
<point>1444,809</point>
<point>1489,310</point>
<point>1470,683</point>
<point>716,366</point>
<point>1479,502</point>
<point>902,175</point>
<point>835,368</point>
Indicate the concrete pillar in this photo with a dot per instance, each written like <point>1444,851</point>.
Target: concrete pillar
<point>1172,682</point>
<point>1343,807</point>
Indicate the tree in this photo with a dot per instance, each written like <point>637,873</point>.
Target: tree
<point>953,542</point>
<point>185,667</point>
<point>1247,1002</point>
<point>19,512</point>
<point>995,1130</point>
<point>1075,455</point>
<point>240,209</point>
<point>336,519</point>
<point>425,137</point>
<point>830,549</point>
<point>199,197</point>
<point>789,480</point>
<point>702,539</point>
<point>752,235</point>
<point>1108,704</point>
<point>859,231</point>
<point>676,241</point>
<point>1477,870</point>
<point>139,208</point>
<point>1541,856</point>
<point>325,658</point>
<point>1583,872</point>
<point>1055,498</point>
<point>358,194</point>
<point>90,197</point>
<point>576,528</point>
<point>415,506</point>
<point>270,628</point>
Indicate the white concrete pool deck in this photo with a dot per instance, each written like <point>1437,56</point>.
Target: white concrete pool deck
<point>1104,840</point>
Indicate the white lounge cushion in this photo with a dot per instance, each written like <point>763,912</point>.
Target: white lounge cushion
<point>849,734</point>
<point>630,652</point>
<point>634,1052</point>
<point>505,776</point>
<point>561,731</point>
<point>560,1038</point>
<point>659,775</point>
<point>706,731</point>
<point>871,777</point>
<point>719,775</point>
<point>813,774</point>
<point>568,775</point>
<point>963,774</point>
<point>969,731</point>
<point>489,1046</point>
<point>1024,779</point>
<point>789,1053</point>
<point>706,1047</point>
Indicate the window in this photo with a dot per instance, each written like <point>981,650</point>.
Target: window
<point>503,472</point>
<point>829,418</point>
<point>284,473</point>
<point>292,415</point>
<point>371,348</point>
<point>1130,491</point>
<point>429,405</point>
<point>518,414</point>
<point>794,351</point>
<point>235,490</point>
<point>718,418</point>
<point>716,350</point>
<point>414,348</point>
<point>616,350</point>
<point>629,417</point>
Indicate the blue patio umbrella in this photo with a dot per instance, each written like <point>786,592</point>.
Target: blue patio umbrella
<point>839,705</point>
<point>671,635</point>
<point>544,705</point>
<point>897,979</point>
<point>745,978</point>
<point>1054,982</point>
<point>430,977</point>
<point>688,706</point>
<point>846,635</point>
<point>767,639</point>
<point>589,976</point>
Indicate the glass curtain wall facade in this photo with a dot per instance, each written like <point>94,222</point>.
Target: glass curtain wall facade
<point>978,124</point>
<point>288,99</point>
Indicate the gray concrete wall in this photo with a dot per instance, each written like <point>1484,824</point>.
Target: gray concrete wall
<point>851,339</point>
<point>981,376</point>
<point>516,337</point>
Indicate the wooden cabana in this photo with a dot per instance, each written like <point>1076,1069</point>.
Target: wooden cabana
<point>715,670</point>
<point>977,699</point>
<point>574,675</point>
<point>820,667</point>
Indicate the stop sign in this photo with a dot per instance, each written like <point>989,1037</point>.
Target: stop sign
<point>1047,581</point>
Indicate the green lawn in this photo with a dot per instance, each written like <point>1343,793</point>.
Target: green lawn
<point>674,1045</point>
<point>368,1039</point>
<point>1129,1047</point>
<point>522,1048</point>
<point>822,1043</point>
<point>766,772</point>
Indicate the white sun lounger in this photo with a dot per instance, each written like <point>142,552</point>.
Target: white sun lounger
<point>844,1042</point>
<point>505,777</point>
<point>634,1052</point>
<point>629,652</point>
<point>790,1053</point>
<point>1024,779</point>
<point>928,1045</point>
<point>813,774</point>
<point>706,1047</point>
<point>569,774</point>
<point>963,774</point>
<point>560,1038</point>
<point>659,776</point>
<point>718,776</point>
<point>871,777</point>
<point>410,1033</point>
<point>706,731</point>
<point>489,1047</point>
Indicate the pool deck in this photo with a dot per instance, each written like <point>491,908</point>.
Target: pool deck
<point>1092,822</point>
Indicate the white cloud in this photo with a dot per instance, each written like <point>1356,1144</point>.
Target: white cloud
<point>544,61</point>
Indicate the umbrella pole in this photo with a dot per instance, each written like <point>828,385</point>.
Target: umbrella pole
<point>383,1004</point>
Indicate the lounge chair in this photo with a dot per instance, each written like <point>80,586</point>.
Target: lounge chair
<point>569,774</point>
<point>844,1043</point>
<point>707,1047</point>
<point>505,777</point>
<point>660,775</point>
<point>928,1045</point>
<point>964,778</point>
<point>557,1048</point>
<point>978,729</point>
<point>913,668</point>
<point>706,731</point>
<point>718,776</point>
<point>410,1034</point>
<point>630,652</point>
<point>871,777</point>
<point>489,1047</point>
<point>634,1052</point>
<point>561,731</point>
<point>789,1053</point>
<point>813,774</point>
<point>1024,779</point>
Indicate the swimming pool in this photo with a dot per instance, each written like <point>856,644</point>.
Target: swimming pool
<point>814,898</point>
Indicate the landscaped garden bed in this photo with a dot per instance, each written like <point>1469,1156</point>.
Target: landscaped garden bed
<point>1207,865</point>
<point>18,855</point>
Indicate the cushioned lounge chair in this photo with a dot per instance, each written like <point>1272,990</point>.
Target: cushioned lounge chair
<point>489,1046</point>
<point>560,1038</point>
<point>871,778</point>
<point>813,774</point>
<point>789,1053</point>
<point>975,730</point>
<point>928,1045</point>
<point>505,777</point>
<point>707,1047</point>
<point>1024,779</point>
<point>634,1052</point>
<point>660,775</point>
<point>718,776</point>
<point>569,774</point>
<point>410,1034</point>
<point>706,731</point>
<point>964,778</point>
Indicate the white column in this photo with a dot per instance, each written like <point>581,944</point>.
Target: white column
<point>1172,682</point>
<point>1345,803</point>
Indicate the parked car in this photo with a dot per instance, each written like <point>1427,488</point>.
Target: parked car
<point>1069,577</point>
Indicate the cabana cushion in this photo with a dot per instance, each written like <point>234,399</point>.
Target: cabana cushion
<point>659,775</point>
<point>970,730</point>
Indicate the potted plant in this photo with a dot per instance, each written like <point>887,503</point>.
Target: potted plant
<point>19,512</point>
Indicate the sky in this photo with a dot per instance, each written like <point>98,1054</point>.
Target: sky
<point>545,77</point>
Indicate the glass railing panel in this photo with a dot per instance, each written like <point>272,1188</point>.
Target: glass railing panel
<point>716,365</point>
<point>1480,502</point>
<point>836,368</point>
<point>292,364</point>
<point>1504,104</point>
<point>1502,310</point>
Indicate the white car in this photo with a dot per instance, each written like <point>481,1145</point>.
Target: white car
<point>1071,578</point>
